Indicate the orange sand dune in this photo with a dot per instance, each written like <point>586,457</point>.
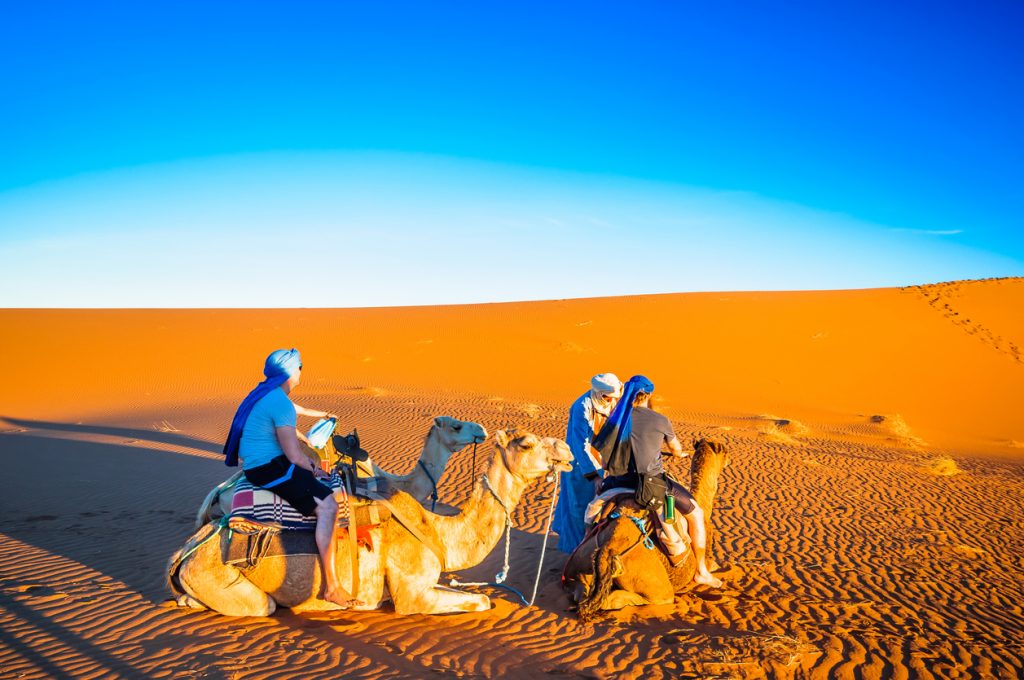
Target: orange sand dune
<point>946,359</point>
<point>868,521</point>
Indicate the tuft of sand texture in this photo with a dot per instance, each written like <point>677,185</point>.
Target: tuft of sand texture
<point>869,527</point>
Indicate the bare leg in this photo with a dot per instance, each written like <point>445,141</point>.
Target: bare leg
<point>326,535</point>
<point>698,537</point>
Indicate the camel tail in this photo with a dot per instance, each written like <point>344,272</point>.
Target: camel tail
<point>212,500</point>
<point>607,566</point>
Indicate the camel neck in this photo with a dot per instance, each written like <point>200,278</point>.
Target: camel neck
<point>704,474</point>
<point>472,534</point>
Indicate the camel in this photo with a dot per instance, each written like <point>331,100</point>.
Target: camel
<point>397,566</point>
<point>613,569</point>
<point>446,437</point>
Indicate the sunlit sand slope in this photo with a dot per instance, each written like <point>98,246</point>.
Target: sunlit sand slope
<point>867,523</point>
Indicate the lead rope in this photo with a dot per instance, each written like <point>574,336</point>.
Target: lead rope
<point>547,532</point>
<point>472,471</point>
<point>500,577</point>
<point>433,482</point>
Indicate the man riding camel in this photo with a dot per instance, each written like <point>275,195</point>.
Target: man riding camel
<point>263,432</point>
<point>631,443</point>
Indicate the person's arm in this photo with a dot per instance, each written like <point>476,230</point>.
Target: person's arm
<point>313,413</point>
<point>676,448</point>
<point>288,438</point>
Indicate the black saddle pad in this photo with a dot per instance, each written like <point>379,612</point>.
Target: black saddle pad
<point>244,548</point>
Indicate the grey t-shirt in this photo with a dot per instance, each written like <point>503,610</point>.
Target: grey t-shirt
<point>650,432</point>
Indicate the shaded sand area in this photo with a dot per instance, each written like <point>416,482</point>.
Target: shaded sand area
<point>869,520</point>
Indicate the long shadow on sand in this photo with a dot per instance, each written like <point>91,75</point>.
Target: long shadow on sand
<point>111,431</point>
<point>119,509</point>
<point>111,665</point>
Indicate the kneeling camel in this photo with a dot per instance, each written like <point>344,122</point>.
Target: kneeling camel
<point>613,569</point>
<point>399,566</point>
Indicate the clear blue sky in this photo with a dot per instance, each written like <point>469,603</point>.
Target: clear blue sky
<point>174,154</point>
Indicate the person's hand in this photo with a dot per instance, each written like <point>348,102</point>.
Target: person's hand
<point>319,473</point>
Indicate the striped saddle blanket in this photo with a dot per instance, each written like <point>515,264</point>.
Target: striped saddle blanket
<point>266,507</point>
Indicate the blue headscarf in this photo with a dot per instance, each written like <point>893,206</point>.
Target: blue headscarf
<point>281,365</point>
<point>613,439</point>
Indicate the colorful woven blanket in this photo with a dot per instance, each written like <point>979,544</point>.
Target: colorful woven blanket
<point>266,507</point>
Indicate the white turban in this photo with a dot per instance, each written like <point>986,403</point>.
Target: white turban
<point>606,383</point>
<point>602,384</point>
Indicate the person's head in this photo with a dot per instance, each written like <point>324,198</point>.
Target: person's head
<point>641,389</point>
<point>642,399</point>
<point>605,389</point>
<point>284,363</point>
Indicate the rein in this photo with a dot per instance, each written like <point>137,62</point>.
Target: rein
<point>433,483</point>
<point>500,577</point>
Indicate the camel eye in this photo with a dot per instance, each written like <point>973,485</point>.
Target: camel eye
<point>457,427</point>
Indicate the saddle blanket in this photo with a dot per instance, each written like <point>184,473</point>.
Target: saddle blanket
<point>674,542</point>
<point>266,507</point>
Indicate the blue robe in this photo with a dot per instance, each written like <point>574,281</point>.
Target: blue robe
<point>575,492</point>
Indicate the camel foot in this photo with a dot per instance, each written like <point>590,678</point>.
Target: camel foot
<point>190,602</point>
<point>707,580</point>
<point>342,598</point>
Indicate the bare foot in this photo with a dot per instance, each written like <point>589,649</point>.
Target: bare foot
<point>707,580</point>
<point>342,598</point>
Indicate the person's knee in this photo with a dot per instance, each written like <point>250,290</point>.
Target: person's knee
<point>327,504</point>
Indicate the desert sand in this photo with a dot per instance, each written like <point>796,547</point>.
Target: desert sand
<point>869,521</point>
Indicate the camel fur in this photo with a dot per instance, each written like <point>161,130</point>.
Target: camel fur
<point>398,567</point>
<point>446,437</point>
<point>612,569</point>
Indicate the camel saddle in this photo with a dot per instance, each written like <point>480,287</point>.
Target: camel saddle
<point>648,521</point>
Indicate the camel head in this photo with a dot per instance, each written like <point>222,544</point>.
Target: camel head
<point>455,434</point>
<point>709,456</point>
<point>528,456</point>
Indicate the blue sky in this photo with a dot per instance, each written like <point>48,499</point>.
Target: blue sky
<point>324,154</point>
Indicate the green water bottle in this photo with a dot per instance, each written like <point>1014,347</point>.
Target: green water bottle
<point>670,508</point>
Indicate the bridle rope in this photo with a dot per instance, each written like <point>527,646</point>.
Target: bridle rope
<point>500,577</point>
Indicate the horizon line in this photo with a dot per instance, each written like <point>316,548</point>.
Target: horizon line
<point>524,301</point>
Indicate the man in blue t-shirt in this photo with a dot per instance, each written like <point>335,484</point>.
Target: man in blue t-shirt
<point>272,458</point>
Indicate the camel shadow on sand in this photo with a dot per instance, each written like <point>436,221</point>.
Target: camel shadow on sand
<point>128,433</point>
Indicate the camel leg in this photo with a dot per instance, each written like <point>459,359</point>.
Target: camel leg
<point>618,598</point>
<point>411,598</point>
<point>412,573</point>
<point>644,577</point>
<point>220,587</point>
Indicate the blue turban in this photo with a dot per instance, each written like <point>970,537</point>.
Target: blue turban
<point>280,365</point>
<point>613,439</point>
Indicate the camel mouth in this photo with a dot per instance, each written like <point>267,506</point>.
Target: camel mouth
<point>560,458</point>
<point>561,466</point>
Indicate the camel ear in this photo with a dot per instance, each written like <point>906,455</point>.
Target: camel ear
<point>501,438</point>
<point>442,421</point>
